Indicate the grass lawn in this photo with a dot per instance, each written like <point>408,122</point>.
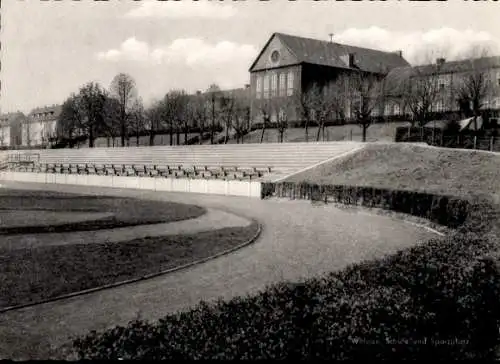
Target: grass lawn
<point>413,167</point>
<point>376,132</point>
<point>33,274</point>
<point>29,275</point>
<point>124,211</point>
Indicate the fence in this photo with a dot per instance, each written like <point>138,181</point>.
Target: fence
<point>431,136</point>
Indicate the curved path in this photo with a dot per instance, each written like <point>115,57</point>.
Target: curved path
<point>298,240</point>
<point>212,219</point>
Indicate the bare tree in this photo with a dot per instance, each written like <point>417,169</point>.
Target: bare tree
<point>214,95</point>
<point>267,109</point>
<point>154,121</point>
<point>227,106</point>
<point>366,93</point>
<point>475,85</point>
<point>241,120</point>
<point>305,102</point>
<point>111,120</point>
<point>422,89</point>
<point>174,110</point>
<point>123,88</point>
<point>137,119</point>
<point>199,113</point>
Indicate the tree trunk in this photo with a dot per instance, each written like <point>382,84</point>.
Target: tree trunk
<point>171,132</point>
<point>137,139</point>
<point>185,134</point>
<point>307,131</point>
<point>365,128</point>
<point>178,137</point>
<point>262,134</point>
<point>319,132</point>
<point>226,137</point>
<point>151,138</point>
<point>91,138</point>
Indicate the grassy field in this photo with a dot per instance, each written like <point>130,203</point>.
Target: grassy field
<point>125,211</point>
<point>413,167</point>
<point>376,132</point>
<point>46,271</point>
<point>30,275</point>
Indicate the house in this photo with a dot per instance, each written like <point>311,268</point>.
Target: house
<point>288,65</point>
<point>439,85</point>
<point>40,126</point>
<point>10,129</point>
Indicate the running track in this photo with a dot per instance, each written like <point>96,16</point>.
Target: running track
<point>298,240</point>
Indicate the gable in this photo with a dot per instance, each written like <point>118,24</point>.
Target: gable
<point>263,61</point>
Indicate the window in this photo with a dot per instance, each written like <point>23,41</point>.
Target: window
<point>289,90</point>
<point>282,82</point>
<point>274,84</point>
<point>388,109</point>
<point>439,106</point>
<point>282,115</point>
<point>397,109</point>
<point>266,86</point>
<point>258,87</point>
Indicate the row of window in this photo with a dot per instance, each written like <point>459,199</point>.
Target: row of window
<point>267,85</point>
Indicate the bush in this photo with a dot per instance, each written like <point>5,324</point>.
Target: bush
<point>437,300</point>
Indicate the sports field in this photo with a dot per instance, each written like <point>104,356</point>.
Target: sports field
<point>298,240</point>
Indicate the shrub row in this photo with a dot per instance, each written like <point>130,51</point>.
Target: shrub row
<point>436,300</point>
<point>444,210</point>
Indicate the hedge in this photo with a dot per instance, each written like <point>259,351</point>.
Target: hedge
<point>437,300</point>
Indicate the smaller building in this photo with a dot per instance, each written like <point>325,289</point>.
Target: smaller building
<point>10,129</point>
<point>40,126</point>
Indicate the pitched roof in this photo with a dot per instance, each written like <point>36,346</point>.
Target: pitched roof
<point>396,77</point>
<point>459,66</point>
<point>47,112</point>
<point>314,51</point>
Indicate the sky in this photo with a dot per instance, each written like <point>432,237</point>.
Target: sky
<point>49,49</point>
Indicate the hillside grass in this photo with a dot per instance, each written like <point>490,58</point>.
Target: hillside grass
<point>382,132</point>
<point>413,167</point>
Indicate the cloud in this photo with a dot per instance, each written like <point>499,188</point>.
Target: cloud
<point>182,10</point>
<point>131,49</point>
<point>418,46</point>
<point>192,52</point>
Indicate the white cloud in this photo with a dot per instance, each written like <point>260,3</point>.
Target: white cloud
<point>185,51</point>
<point>418,46</point>
<point>182,10</point>
<point>131,49</point>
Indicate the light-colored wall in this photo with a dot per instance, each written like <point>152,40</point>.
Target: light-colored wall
<point>5,136</point>
<point>215,187</point>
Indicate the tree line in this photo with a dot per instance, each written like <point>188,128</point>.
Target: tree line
<point>119,113</point>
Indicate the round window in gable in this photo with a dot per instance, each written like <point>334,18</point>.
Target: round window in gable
<point>275,56</point>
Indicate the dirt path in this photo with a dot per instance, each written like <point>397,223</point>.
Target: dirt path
<point>212,219</point>
<point>298,240</point>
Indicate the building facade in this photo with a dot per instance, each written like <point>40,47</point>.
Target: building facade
<point>445,88</point>
<point>10,129</point>
<point>40,126</point>
<point>288,65</point>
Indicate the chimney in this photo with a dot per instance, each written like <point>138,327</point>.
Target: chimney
<point>247,85</point>
<point>198,92</point>
<point>351,59</point>
<point>440,61</point>
<point>331,37</point>
<point>399,53</point>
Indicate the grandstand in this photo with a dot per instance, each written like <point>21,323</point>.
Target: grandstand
<point>224,163</point>
<point>272,160</point>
